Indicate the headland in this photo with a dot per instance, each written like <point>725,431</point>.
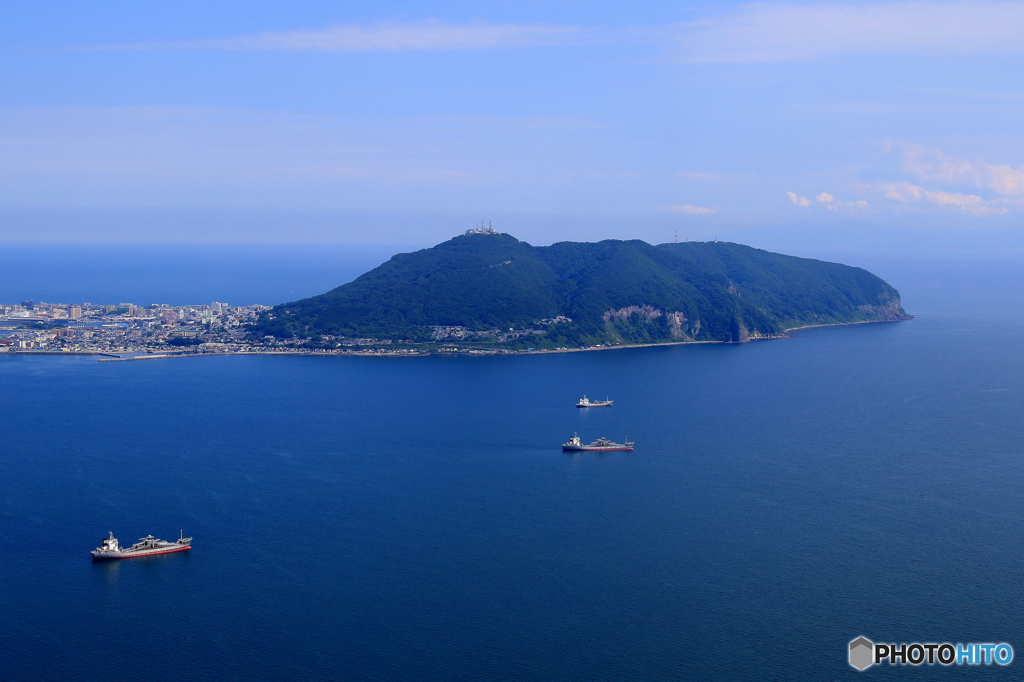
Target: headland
<point>487,293</point>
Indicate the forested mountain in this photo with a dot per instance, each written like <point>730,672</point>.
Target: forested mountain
<point>494,288</point>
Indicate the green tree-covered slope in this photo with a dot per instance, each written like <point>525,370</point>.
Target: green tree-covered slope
<point>494,288</point>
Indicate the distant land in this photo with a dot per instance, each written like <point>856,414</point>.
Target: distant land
<point>486,289</point>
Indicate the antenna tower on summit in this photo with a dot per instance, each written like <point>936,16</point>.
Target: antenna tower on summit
<point>484,230</point>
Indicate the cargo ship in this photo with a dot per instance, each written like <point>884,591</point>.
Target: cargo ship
<point>594,403</point>
<point>601,444</point>
<point>147,546</point>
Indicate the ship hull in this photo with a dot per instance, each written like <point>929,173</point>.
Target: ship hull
<point>596,405</point>
<point>131,555</point>
<point>586,448</point>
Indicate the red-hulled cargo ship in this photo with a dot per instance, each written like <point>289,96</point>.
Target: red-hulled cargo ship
<point>147,546</point>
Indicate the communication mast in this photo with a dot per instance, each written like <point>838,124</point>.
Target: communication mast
<point>489,229</point>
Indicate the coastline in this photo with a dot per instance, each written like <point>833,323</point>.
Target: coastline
<point>841,324</point>
<point>144,355</point>
<point>409,354</point>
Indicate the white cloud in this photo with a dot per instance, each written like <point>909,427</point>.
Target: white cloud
<point>932,165</point>
<point>693,210</point>
<point>1006,180</point>
<point>831,204</point>
<point>969,203</point>
<point>781,31</point>
<point>431,35</point>
<point>803,202</point>
<point>828,201</point>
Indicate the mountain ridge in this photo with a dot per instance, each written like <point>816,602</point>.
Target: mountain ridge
<point>495,290</point>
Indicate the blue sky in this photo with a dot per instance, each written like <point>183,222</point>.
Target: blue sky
<point>402,122</point>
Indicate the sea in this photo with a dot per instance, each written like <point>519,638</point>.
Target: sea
<point>384,519</point>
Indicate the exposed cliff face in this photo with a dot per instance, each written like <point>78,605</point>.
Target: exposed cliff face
<point>492,286</point>
<point>891,312</point>
<point>676,321</point>
<point>622,314</point>
<point>646,315</point>
<point>742,334</point>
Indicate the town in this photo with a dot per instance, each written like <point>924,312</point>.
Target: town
<point>129,331</point>
<point>124,328</point>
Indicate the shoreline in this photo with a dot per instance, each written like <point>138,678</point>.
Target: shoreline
<point>143,355</point>
<point>842,324</point>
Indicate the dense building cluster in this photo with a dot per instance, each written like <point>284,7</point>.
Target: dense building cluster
<point>160,330</point>
<point>115,329</point>
<point>124,327</point>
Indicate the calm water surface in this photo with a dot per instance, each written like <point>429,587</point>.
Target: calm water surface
<point>414,519</point>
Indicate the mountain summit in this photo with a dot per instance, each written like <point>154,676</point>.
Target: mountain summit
<point>493,289</point>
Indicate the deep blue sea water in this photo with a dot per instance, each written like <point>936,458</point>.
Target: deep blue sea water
<point>414,519</point>
<point>180,274</point>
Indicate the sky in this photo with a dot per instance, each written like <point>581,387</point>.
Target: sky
<point>857,124</point>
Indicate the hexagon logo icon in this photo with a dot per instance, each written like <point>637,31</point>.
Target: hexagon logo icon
<point>862,653</point>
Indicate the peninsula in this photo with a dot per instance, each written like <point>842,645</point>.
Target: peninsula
<point>488,290</point>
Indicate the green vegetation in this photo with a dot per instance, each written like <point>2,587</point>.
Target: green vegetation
<point>496,290</point>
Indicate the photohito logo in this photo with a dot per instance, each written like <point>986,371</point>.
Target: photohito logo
<point>864,653</point>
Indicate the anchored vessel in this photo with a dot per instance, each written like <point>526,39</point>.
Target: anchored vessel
<point>575,445</point>
<point>594,403</point>
<point>111,549</point>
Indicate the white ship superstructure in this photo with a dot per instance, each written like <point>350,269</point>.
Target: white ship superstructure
<point>575,444</point>
<point>585,402</point>
<point>112,549</point>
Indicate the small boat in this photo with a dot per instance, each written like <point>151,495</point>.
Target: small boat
<point>601,444</point>
<point>111,549</point>
<point>584,402</point>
